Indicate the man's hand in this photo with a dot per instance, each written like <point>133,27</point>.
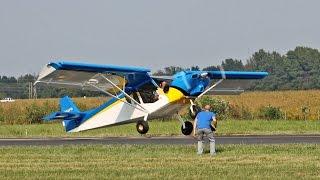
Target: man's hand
<point>215,123</point>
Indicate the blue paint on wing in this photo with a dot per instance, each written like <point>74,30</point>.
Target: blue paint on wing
<point>135,76</point>
<point>237,74</point>
<point>77,66</point>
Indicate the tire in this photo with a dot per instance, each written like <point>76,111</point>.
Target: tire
<point>188,128</point>
<point>196,110</point>
<point>142,127</point>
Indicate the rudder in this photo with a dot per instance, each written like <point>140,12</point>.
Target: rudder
<point>67,105</point>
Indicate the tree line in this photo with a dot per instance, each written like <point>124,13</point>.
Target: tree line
<point>298,69</point>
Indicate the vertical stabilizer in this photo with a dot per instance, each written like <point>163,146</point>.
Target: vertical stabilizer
<point>67,105</point>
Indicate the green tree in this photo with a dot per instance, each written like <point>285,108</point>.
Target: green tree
<point>233,65</point>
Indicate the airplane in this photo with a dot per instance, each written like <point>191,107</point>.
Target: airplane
<point>136,96</point>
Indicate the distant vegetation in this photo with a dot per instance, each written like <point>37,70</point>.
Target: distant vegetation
<point>32,111</point>
<point>271,105</point>
<point>298,69</point>
<point>290,105</point>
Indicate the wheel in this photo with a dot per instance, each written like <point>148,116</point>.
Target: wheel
<point>188,128</point>
<point>196,109</point>
<point>142,127</point>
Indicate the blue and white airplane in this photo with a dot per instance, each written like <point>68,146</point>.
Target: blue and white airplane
<point>136,96</point>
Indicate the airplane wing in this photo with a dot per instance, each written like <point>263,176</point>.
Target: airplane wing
<point>236,75</point>
<point>93,77</point>
<point>159,79</point>
<point>230,87</point>
<point>234,83</point>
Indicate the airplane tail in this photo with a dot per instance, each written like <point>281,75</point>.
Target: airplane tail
<point>69,112</point>
<point>67,105</point>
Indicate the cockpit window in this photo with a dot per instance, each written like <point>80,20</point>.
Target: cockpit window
<point>194,76</point>
<point>148,93</point>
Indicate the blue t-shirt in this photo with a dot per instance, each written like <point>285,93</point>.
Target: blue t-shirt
<point>204,119</point>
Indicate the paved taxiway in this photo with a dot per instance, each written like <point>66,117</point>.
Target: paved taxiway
<point>265,139</point>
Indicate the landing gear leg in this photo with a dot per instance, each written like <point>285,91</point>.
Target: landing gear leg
<point>194,110</point>
<point>186,126</point>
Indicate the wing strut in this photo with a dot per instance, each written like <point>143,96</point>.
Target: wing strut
<point>213,86</point>
<point>223,77</point>
<point>127,95</point>
<point>106,92</point>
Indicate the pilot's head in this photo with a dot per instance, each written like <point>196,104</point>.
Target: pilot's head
<point>164,85</point>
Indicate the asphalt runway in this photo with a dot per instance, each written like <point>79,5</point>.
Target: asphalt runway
<point>272,139</point>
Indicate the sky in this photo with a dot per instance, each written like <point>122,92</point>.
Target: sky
<point>150,33</point>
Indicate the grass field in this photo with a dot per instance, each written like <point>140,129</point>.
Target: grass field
<point>168,128</point>
<point>161,162</point>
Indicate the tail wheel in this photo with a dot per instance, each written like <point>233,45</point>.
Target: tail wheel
<point>142,127</point>
<point>194,110</point>
<point>187,130</point>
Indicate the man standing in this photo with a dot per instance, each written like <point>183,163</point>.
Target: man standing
<point>202,125</point>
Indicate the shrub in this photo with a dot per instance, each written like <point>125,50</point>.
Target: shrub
<point>219,106</point>
<point>270,112</point>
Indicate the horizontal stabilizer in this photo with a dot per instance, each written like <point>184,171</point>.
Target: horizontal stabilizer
<point>69,113</point>
<point>62,115</point>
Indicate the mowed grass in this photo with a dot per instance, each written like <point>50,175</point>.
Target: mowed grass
<point>160,162</point>
<point>167,128</point>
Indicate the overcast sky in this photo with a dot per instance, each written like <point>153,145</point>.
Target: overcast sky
<point>150,33</point>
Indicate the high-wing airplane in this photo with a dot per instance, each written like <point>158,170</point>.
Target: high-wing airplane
<point>136,96</point>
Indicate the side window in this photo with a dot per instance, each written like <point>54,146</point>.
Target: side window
<point>134,96</point>
<point>148,93</point>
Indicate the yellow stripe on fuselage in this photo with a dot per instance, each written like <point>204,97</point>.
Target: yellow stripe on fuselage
<point>174,95</point>
<point>108,107</point>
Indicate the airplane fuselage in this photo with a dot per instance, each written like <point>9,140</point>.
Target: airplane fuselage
<point>123,112</point>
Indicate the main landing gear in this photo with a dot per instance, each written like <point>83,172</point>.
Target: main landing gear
<point>186,126</point>
<point>142,127</point>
